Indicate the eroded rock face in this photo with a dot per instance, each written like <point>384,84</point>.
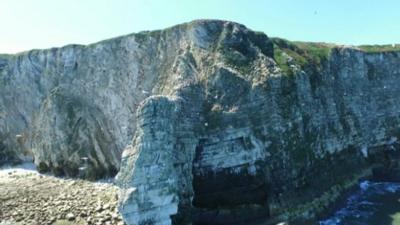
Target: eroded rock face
<point>228,125</point>
<point>70,103</point>
<point>59,106</point>
<point>266,139</point>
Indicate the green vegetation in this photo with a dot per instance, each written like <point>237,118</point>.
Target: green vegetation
<point>315,51</point>
<point>379,48</point>
<point>303,53</point>
<point>281,60</point>
<point>4,56</point>
<point>262,42</point>
<point>141,37</point>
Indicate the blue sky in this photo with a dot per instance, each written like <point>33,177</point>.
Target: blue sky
<point>27,24</point>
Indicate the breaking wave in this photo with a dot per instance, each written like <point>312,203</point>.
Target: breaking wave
<point>367,205</point>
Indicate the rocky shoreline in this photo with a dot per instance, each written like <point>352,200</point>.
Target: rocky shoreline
<point>30,198</point>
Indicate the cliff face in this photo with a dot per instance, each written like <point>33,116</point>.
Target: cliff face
<point>272,130</point>
<point>61,105</point>
<point>228,125</point>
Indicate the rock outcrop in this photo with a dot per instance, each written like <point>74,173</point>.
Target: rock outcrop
<point>228,125</point>
<point>270,131</point>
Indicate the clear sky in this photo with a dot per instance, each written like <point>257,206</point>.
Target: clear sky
<point>27,24</point>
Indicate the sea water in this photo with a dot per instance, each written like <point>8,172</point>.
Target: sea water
<point>375,203</point>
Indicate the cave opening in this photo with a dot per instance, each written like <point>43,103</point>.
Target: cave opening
<point>225,196</point>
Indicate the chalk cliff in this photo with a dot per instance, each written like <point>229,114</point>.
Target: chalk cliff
<point>217,123</point>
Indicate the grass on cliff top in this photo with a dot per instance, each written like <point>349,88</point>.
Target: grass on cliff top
<point>314,54</point>
<point>4,56</point>
<point>379,48</point>
<point>303,53</point>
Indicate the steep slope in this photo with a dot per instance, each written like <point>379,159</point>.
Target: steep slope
<point>228,126</point>
<point>61,105</point>
<point>273,131</point>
